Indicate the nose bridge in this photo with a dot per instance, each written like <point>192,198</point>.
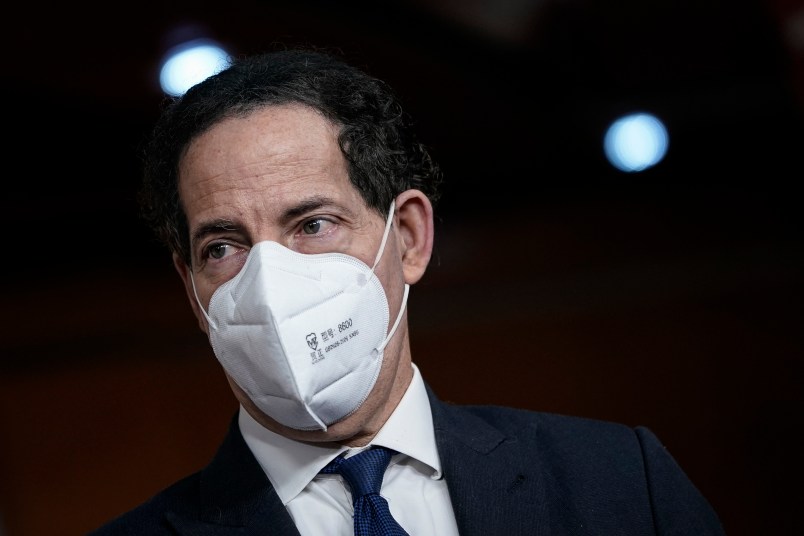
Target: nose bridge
<point>264,226</point>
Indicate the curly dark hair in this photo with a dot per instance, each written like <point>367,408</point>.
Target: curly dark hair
<point>383,155</point>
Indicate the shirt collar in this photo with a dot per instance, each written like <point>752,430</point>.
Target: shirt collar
<point>291,465</point>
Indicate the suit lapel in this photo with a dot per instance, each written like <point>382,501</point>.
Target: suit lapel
<point>486,475</point>
<point>235,496</point>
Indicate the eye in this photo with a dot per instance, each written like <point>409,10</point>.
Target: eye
<point>312,226</point>
<point>315,234</point>
<point>220,250</point>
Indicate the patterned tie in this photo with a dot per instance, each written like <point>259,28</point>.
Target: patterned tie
<point>363,472</point>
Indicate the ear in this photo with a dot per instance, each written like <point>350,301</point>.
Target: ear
<point>184,273</point>
<point>414,223</point>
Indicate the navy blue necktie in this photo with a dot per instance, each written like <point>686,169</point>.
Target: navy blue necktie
<point>363,472</point>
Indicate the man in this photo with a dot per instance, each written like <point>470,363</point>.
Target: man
<point>298,206</point>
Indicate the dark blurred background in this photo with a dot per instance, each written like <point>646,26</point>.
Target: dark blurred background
<point>670,298</point>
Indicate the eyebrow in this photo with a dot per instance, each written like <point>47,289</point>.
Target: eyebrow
<point>212,227</point>
<point>303,207</point>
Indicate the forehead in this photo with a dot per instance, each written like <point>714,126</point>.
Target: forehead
<point>267,137</point>
<point>272,155</point>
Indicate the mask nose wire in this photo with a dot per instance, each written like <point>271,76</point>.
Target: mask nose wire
<point>195,293</point>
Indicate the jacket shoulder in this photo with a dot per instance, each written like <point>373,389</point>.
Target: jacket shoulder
<point>583,459</point>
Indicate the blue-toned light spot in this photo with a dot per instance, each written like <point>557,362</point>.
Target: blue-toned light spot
<point>635,142</point>
<point>189,64</point>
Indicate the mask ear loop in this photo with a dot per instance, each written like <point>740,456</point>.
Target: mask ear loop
<point>390,219</point>
<point>195,293</point>
<point>385,234</point>
<point>382,345</point>
<point>362,279</point>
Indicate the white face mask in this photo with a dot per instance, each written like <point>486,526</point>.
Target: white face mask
<point>302,335</point>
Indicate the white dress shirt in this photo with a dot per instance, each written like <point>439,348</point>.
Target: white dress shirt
<point>321,504</point>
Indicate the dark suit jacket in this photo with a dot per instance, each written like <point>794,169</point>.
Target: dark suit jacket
<point>509,472</point>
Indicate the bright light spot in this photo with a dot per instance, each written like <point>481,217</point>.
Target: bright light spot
<point>189,64</point>
<point>635,142</point>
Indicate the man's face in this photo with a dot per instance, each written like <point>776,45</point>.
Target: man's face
<point>278,174</point>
